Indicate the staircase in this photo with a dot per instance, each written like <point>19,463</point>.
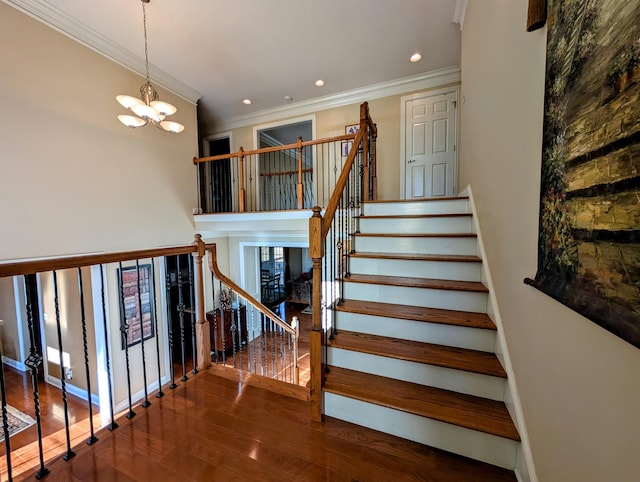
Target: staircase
<point>414,353</point>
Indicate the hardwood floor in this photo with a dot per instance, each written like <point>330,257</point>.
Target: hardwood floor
<point>211,428</point>
<point>24,445</point>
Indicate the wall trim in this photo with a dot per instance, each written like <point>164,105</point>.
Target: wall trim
<point>424,81</point>
<point>44,12</point>
<point>14,364</point>
<point>525,469</point>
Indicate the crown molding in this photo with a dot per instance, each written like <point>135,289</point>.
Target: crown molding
<point>427,80</point>
<point>53,17</point>
<point>459,11</point>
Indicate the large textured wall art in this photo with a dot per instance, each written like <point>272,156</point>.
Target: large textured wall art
<point>589,238</point>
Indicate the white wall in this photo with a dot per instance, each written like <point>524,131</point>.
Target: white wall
<point>578,383</point>
<point>73,179</point>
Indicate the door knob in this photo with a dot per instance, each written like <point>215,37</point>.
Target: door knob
<point>412,160</point>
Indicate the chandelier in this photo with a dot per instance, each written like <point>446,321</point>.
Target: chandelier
<point>148,108</point>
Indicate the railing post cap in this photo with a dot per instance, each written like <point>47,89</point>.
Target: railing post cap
<point>316,211</point>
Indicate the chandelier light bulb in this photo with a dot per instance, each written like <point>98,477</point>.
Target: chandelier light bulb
<point>131,121</point>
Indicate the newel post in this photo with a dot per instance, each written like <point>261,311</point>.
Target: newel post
<point>316,252</point>
<point>364,128</point>
<point>300,186</point>
<point>241,180</point>
<point>203,343</point>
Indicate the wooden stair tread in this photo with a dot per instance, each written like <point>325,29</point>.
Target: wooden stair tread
<point>475,361</point>
<point>476,413</point>
<point>412,216</point>
<point>465,258</point>
<point>422,199</point>
<point>405,281</point>
<point>417,235</point>
<point>418,313</point>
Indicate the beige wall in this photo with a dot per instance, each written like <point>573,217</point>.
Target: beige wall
<point>578,383</point>
<point>72,178</point>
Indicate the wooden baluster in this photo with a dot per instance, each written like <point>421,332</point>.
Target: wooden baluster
<point>300,185</point>
<point>203,341</point>
<point>241,181</point>
<point>316,252</point>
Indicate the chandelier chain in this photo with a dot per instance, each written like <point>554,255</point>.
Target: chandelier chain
<point>146,51</point>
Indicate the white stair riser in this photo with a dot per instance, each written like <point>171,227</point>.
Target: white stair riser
<point>415,245</point>
<point>417,207</point>
<point>452,438</point>
<point>429,298</point>
<point>447,378</point>
<point>455,224</point>
<point>454,270</point>
<point>449,335</point>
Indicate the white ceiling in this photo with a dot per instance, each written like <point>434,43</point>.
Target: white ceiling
<point>223,51</point>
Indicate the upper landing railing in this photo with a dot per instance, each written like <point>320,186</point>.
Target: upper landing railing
<point>287,177</point>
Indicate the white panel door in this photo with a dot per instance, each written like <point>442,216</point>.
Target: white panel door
<point>430,137</point>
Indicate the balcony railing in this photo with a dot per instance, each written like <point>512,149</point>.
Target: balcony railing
<point>287,177</point>
<point>151,339</point>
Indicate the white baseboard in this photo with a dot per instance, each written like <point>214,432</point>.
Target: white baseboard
<point>14,364</point>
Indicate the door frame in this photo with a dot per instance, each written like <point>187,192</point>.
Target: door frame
<point>403,128</point>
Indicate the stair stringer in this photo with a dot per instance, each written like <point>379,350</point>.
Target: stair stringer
<point>524,469</point>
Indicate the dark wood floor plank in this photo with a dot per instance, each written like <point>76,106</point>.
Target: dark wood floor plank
<point>406,281</point>
<point>439,355</point>
<point>489,416</point>
<point>418,313</point>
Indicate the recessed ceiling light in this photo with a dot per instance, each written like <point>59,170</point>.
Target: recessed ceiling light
<point>319,83</point>
<point>246,101</point>
<point>288,98</point>
<point>417,57</point>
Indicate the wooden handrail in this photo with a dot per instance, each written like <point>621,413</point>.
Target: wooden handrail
<point>51,264</point>
<point>264,150</point>
<point>213,266</point>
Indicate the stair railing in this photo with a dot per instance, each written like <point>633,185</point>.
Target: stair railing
<point>330,246</point>
<point>247,335</point>
<point>287,177</point>
<point>118,294</point>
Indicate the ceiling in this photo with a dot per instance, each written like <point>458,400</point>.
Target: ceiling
<point>220,52</point>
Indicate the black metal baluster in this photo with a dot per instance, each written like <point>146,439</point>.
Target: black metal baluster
<point>113,425</point>
<point>215,318</point>
<point>92,437</point>
<point>69,454</point>
<point>124,329</point>
<point>5,422</point>
<point>146,402</point>
<point>160,393</point>
<point>33,361</point>
<point>234,329</point>
<point>239,325</point>
<point>169,324</point>
<point>222,328</point>
<point>181,318</point>
<point>193,317</point>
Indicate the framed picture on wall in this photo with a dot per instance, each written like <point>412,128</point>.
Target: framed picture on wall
<point>346,147</point>
<point>351,129</point>
<point>135,290</point>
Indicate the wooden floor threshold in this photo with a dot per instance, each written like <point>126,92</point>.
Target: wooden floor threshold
<point>461,258</point>
<point>474,361</point>
<point>408,282</point>
<point>422,199</point>
<point>472,412</point>
<point>418,313</point>
<point>254,380</point>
